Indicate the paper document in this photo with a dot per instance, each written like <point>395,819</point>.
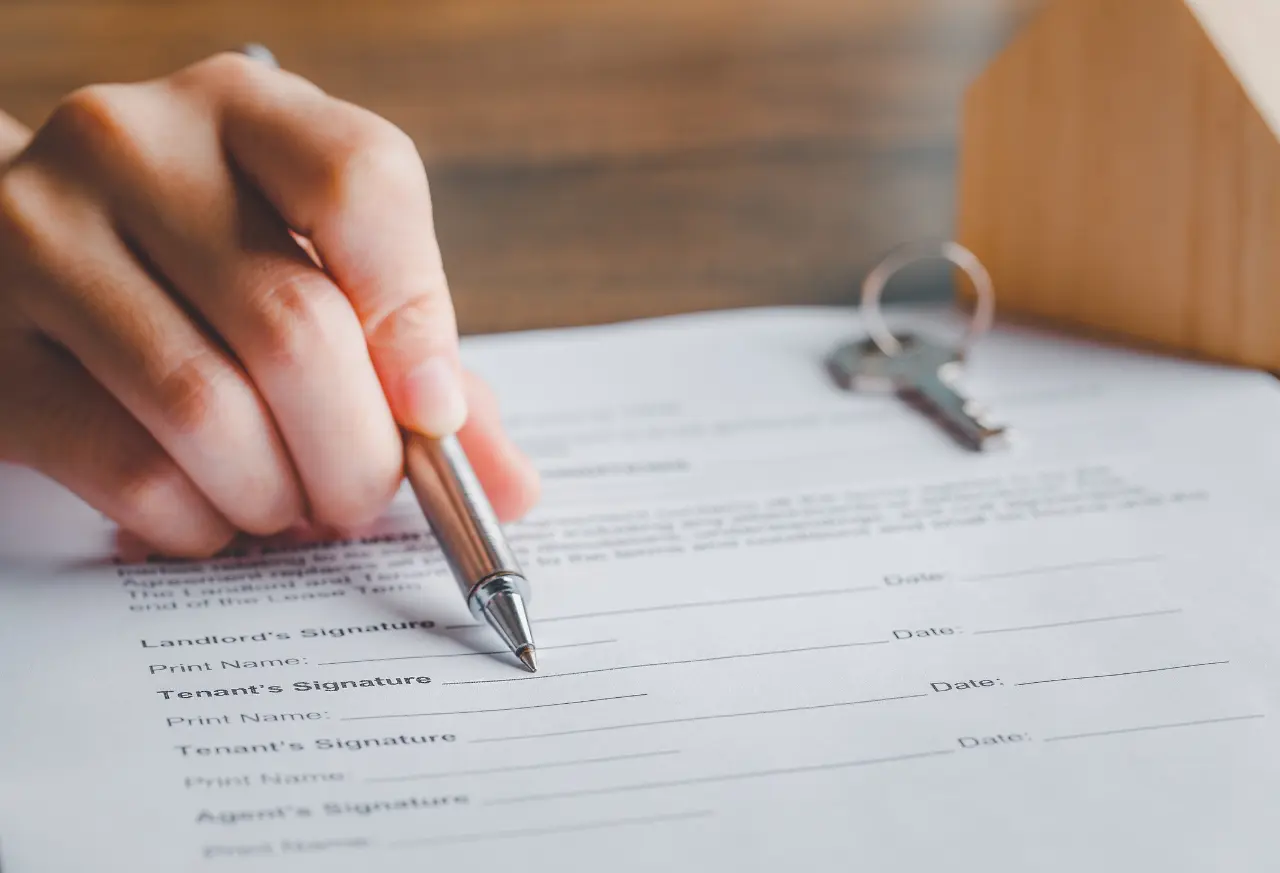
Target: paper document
<point>780,627</point>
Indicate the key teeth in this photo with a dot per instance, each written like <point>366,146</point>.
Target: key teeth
<point>993,436</point>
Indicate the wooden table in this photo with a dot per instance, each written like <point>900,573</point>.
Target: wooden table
<point>595,160</point>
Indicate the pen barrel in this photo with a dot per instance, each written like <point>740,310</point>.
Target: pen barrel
<point>460,516</point>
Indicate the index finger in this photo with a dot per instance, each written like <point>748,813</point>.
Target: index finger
<point>354,184</point>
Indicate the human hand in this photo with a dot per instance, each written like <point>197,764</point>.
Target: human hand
<point>171,353</point>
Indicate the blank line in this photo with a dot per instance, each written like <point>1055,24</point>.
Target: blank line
<point>703,780</point>
<point>669,663</point>
<point>543,766</point>
<point>635,724</point>
<point>1060,568</point>
<point>1153,727</point>
<point>500,709</point>
<point>1009,630</point>
<point>464,654</point>
<point>563,829</point>
<point>1126,673</point>
<point>764,598</point>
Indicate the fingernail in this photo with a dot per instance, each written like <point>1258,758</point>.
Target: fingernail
<point>433,394</point>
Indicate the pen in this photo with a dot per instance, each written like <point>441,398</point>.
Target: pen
<point>464,523</point>
<point>458,511</point>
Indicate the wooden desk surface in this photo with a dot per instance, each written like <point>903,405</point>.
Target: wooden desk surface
<point>595,160</point>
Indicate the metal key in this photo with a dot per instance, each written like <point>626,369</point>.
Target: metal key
<point>925,374</point>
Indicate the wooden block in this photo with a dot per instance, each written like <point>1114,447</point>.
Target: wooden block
<point>1120,172</point>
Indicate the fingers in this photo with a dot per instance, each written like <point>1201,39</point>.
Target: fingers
<point>509,479</point>
<point>354,185</point>
<point>56,419</point>
<point>88,293</point>
<point>249,269</point>
<point>283,318</point>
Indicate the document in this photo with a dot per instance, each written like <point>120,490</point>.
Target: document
<point>780,627</point>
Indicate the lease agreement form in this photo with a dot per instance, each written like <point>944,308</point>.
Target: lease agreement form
<point>781,627</point>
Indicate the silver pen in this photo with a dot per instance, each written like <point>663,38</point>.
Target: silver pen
<point>482,563</point>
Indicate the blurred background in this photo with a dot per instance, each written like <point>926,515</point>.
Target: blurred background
<point>597,160</point>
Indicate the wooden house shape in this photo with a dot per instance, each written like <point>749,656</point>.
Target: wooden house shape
<point>1120,172</point>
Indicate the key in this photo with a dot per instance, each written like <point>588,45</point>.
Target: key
<point>926,375</point>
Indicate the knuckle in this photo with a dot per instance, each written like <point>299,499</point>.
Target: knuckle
<point>295,317</point>
<point>373,156</point>
<point>92,118</point>
<point>218,72</point>
<point>419,323</point>
<point>187,394</point>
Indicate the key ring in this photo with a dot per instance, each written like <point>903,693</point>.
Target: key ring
<point>258,52</point>
<point>873,288</point>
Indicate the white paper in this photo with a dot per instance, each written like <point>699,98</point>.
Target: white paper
<point>780,627</point>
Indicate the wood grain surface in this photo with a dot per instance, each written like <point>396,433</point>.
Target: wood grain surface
<point>596,160</point>
<point>1119,177</point>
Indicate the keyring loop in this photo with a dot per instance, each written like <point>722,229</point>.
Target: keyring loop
<point>258,52</point>
<point>873,288</point>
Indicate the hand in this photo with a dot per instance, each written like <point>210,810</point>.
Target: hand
<point>169,349</point>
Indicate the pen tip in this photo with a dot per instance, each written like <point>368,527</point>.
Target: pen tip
<point>505,613</point>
